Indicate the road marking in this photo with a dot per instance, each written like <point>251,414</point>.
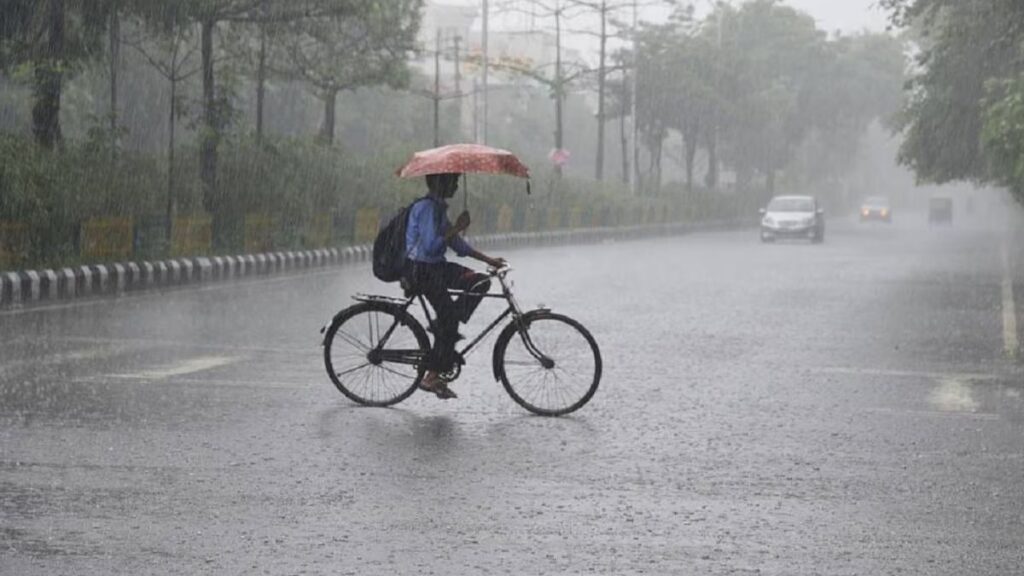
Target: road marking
<point>899,412</point>
<point>54,359</point>
<point>906,374</point>
<point>187,367</point>
<point>1011,340</point>
<point>158,342</point>
<point>219,382</point>
<point>953,395</point>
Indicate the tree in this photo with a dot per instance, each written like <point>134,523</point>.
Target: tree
<point>557,76</point>
<point>209,15</point>
<point>1003,133</point>
<point>620,92</point>
<point>944,120</point>
<point>364,47</point>
<point>609,26</point>
<point>166,42</point>
<point>653,94</point>
<point>753,85</point>
<point>49,37</point>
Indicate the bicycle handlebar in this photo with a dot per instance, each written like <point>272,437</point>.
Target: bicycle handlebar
<point>503,271</point>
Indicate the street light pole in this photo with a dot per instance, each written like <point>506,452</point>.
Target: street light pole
<point>486,65</point>
<point>437,91</point>
<point>636,72</point>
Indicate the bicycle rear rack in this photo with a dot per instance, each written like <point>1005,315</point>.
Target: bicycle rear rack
<point>377,299</point>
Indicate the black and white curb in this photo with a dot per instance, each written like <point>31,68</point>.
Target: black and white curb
<point>31,286</point>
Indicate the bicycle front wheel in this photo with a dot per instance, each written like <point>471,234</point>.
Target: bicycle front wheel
<point>548,363</point>
<point>373,354</point>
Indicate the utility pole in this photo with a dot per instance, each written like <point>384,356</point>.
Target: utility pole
<point>714,174</point>
<point>115,62</point>
<point>487,64</point>
<point>633,182</point>
<point>559,87</point>
<point>261,82</point>
<point>458,69</point>
<point>600,93</point>
<point>437,91</point>
<point>476,109</point>
<point>457,40</point>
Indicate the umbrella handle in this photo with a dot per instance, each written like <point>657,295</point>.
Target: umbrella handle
<point>465,192</point>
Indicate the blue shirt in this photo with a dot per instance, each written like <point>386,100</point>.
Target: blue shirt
<point>424,235</point>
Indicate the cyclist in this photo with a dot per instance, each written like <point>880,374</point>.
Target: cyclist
<point>428,236</point>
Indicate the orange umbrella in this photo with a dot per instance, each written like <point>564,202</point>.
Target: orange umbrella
<point>464,159</point>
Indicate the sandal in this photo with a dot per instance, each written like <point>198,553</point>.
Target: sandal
<point>439,388</point>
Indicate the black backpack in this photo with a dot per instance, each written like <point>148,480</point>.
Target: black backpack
<point>389,250</point>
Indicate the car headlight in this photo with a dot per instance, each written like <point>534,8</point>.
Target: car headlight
<point>768,222</point>
<point>809,221</point>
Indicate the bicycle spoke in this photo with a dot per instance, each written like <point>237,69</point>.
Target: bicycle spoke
<point>353,340</point>
<point>396,372</point>
<point>351,370</point>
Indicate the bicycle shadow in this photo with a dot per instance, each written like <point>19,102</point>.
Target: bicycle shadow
<point>401,429</point>
<point>572,425</point>
<point>394,428</point>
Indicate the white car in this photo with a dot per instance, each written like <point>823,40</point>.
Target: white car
<point>796,217</point>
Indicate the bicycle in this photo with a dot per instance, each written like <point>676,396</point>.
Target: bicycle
<point>374,350</point>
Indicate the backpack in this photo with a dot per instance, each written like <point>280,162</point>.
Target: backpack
<point>389,250</point>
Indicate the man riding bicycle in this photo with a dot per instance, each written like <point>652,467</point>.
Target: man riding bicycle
<point>428,236</point>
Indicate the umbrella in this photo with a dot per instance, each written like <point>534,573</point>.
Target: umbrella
<point>464,159</point>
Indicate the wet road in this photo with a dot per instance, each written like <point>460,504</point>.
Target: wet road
<point>785,409</point>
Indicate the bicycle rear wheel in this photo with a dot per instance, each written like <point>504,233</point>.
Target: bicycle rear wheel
<point>561,372</point>
<point>373,354</point>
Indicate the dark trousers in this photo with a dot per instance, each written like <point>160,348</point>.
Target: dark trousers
<point>433,281</point>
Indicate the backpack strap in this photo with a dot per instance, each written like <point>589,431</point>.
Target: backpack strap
<point>408,214</point>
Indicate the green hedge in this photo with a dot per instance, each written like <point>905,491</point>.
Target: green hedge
<point>294,181</point>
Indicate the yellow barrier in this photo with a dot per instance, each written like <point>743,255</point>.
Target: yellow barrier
<point>576,217</point>
<point>531,220</point>
<point>367,225</point>
<point>191,236</point>
<point>505,215</point>
<point>107,239</point>
<point>259,233</point>
<point>554,220</point>
<point>14,244</point>
<point>318,231</point>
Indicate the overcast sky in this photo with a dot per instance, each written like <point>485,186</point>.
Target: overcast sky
<point>845,15</point>
<point>832,15</point>
<point>848,16</point>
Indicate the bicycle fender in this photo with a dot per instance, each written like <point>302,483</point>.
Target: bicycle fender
<point>402,314</point>
<point>509,332</point>
<point>323,329</point>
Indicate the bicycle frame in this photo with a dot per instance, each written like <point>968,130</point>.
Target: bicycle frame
<point>513,310</point>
